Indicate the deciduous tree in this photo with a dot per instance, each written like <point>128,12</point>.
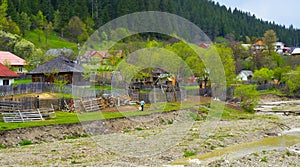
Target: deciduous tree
<point>269,39</point>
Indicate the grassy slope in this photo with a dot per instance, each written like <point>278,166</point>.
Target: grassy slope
<point>67,118</point>
<point>54,41</point>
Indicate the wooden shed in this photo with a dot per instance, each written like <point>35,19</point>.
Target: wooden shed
<point>60,68</point>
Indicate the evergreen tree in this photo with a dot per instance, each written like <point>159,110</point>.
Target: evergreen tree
<point>24,22</point>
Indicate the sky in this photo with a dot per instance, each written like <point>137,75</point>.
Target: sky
<point>282,12</point>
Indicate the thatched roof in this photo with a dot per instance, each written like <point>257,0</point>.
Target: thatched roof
<point>59,64</point>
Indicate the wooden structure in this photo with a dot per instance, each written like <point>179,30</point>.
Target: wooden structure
<point>97,104</point>
<point>13,111</point>
<point>28,116</point>
<point>60,68</point>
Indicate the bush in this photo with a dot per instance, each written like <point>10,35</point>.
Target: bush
<point>25,142</point>
<point>71,137</point>
<point>248,95</point>
<point>138,128</point>
<point>189,153</point>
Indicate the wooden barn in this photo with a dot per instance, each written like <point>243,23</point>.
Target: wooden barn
<point>59,68</point>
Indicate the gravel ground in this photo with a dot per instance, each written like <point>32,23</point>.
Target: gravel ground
<point>161,144</point>
<point>157,146</point>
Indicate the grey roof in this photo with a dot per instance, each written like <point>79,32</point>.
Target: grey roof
<point>59,64</point>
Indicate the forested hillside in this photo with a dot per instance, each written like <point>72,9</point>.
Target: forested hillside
<point>212,18</point>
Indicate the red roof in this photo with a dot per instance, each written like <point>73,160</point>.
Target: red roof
<point>6,72</point>
<point>11,58</point>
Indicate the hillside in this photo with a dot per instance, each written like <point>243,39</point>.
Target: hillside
<point>52,41</point>
<point>213,19</point>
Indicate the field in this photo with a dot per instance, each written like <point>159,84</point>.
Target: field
<point>53,41</point>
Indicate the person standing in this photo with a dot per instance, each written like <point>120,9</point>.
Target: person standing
<point>37,101</point>
<point>142,105</point>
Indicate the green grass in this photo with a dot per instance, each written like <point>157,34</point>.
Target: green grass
<point>25,142</point>
<point>68,118</point>
<point>54,41</point>
<point>22,81</point>
<point>191,87</point>
<point>189,153</point>
<point>272,91</point>
<point>99,87</point>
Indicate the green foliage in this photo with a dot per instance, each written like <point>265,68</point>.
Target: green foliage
<point>22,81</point>
<point>71,137</point>
<point>263,75</point>
<point>292,79</point>
<point>280,72</point>
<point>189,153</point>
<point>248,96</point>
<point>60,83</point>
<point>263,159</point>
<point>85,135</point>
<point>138,129</point>
<point>24,48</point>
<point>212,147</point>
<point>77,29</point>
<point>269,39</point>
<point>215,20</point>
<point>24,22</point>
<point>195,116</point>
<point>53,40</point>
<point>25,142</point>
<point>228,62</point>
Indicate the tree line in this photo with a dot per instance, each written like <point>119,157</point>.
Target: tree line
<point>77,18</point>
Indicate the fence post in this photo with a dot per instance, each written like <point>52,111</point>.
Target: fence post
<point>40,114</point>
<point>21,116</point>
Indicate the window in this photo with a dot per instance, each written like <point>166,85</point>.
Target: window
<point>6,82</point>
<point>20,69</point>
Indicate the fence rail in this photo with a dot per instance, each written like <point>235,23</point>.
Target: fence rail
<point>35,87</point>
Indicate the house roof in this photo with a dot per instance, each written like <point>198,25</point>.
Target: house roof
<point>103,53</point>
<point>204,45</point>
<point>6,72</point>
<point>296,51</point>
<point>59,64</point>
<point>11,58</point>
<point>258,42</point>
<point>246,72</point>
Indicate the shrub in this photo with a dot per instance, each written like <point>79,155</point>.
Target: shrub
<point>189,153</point>
<point>138,129</point>
<point>263,159</point>
<point>248,96</point>
<point>25,142</point>
<point>71,137</point>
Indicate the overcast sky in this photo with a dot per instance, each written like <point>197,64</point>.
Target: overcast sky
<point>283,12</point>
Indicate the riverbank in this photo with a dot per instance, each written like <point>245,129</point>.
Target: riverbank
<point>100,150</point>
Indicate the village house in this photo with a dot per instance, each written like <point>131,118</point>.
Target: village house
<point>296,52</point>
<point>60,68</point>
<point>14,61</point>
<point>244,75</point>
<point>101,55</point>
<point>258,45</point>
<point>7,76</point>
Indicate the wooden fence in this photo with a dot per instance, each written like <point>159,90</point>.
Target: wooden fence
<point>35,87</point>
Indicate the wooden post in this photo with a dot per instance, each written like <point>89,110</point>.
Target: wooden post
<point>21,116</point>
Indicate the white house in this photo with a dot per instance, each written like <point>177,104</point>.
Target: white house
<point>244,75</point>
<point>279,46</point>
<point>7,76</point>
<point>296,52</point>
